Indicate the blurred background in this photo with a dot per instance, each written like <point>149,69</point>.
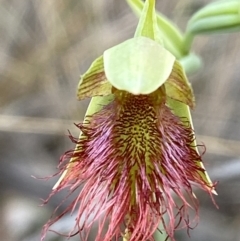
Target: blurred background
<point>44,47</point>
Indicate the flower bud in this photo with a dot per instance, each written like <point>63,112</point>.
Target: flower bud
<point>216,17</point>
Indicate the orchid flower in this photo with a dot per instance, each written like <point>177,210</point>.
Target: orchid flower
<point>136,159</point>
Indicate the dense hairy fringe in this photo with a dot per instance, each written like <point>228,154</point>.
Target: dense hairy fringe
<point>136,167</point>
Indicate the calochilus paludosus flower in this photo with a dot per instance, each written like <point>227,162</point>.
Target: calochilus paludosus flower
<point>136,159</point>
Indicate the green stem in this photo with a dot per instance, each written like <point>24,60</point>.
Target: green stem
<point>187,42</point>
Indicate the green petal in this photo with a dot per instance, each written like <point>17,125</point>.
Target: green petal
<point>94,81</point>
<point>183,111</point>
<point>177,86</point>
<point>139,65</point>
<point>167,31</point>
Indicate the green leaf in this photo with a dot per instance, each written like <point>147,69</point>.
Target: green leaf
<point>94,81</point>
<point>138,65</point>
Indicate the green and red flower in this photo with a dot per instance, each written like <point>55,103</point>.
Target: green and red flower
<point>136,160</point>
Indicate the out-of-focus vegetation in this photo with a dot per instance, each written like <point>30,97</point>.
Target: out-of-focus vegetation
<point>44,47</point>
